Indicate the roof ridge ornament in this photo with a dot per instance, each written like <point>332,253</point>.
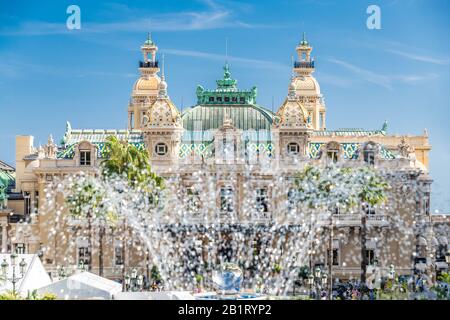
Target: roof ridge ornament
<point>384,127</point>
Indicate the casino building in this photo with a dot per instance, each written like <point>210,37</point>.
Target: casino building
<point>228,131</point>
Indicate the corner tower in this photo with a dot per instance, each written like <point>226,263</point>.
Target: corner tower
<point>162,128</point>
<point>145,89</point>
<point>307,89</point>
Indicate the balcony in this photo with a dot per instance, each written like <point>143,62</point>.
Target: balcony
<point>304,64</point>
<point>353,220</point>
<point>148,64</point>
<point>377,220</point>
<point>17,218</point>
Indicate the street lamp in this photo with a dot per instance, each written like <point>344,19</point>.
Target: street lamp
<point>317,281</point>
<point>134,281</point>
<point>447,257</point>
<point>14,277</point>
<point>391,274</point>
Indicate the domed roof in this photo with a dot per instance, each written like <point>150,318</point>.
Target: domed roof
<point>150,83</point>
<point>163,113</point>
<point>292,114</point>
<point>211,117</point>
<point>306,85</point>
<point>227,102</point>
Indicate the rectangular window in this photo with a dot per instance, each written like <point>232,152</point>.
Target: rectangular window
<point>370,256</point>
<point>369,209</point>
<point>193,201</point>
<point>234,99</point>
<point>27,202</point>
<point>118,253</point>
<point>332,155</point>
<point>20,248</point>
<point>36,201</point>
<point>262,203</point>
<point>241,99</point>
<point>369,157</point>
<point>426,203</point>
<point>211,99</point>
<point>83,256</point>
<point>131,120</point>
<point>85,158</point>
<point>226,200</point>
<point>335,257</point>
<point>227,99</point>
<point>219,99</point>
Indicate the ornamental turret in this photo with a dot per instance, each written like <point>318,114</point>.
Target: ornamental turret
<point>162,127</point>
<point>307,89</point>
<point>145,89</point>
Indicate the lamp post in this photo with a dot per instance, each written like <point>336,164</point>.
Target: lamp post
<point>134,281</point>
<point>447,257</point>
<point>317,280</point>
<point>14,277</point>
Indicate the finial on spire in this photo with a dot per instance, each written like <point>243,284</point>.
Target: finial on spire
<point>149,41</point>
<point>162,88</point>
<point>304,42</point>
<point>292,64</point>
<point>226,71</point>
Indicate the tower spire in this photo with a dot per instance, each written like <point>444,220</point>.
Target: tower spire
<point>162,88</point>
<point>163,64</point>
<point>226,50</point>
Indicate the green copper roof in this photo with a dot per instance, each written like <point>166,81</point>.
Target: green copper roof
<point>226,92</point>
<point>226,101</point>
<point>149,41</point>
<point>304,42</point>
<point>97,137</point>
<point>7,180</point>
<point>244,117</point>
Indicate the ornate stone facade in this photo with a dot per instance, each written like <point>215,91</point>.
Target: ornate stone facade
<point>225,131</point>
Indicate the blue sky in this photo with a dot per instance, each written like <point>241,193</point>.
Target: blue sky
<point>49,74</point>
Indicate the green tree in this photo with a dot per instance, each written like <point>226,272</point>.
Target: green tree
<point>85,201</point>
<point>371,193</point>
<point>123,159</point>
<point>336,188</point>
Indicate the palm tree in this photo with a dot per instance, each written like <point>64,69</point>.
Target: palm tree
<point>124,159</point>
<point>371,193</point>
<point>332,187</point>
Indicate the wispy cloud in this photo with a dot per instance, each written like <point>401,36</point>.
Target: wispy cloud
<point>383,80</point>
<point>214,16</point>
<point>418,57</point>
<point>253,63</point>
<point>12,68</point>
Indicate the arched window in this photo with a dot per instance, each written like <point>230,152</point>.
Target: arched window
<point>369,153</point>
<point>333,151</point>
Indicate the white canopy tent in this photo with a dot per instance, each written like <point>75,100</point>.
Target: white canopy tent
<point>34,275</point>
<point>83,286</point>
<point>162,295</point>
